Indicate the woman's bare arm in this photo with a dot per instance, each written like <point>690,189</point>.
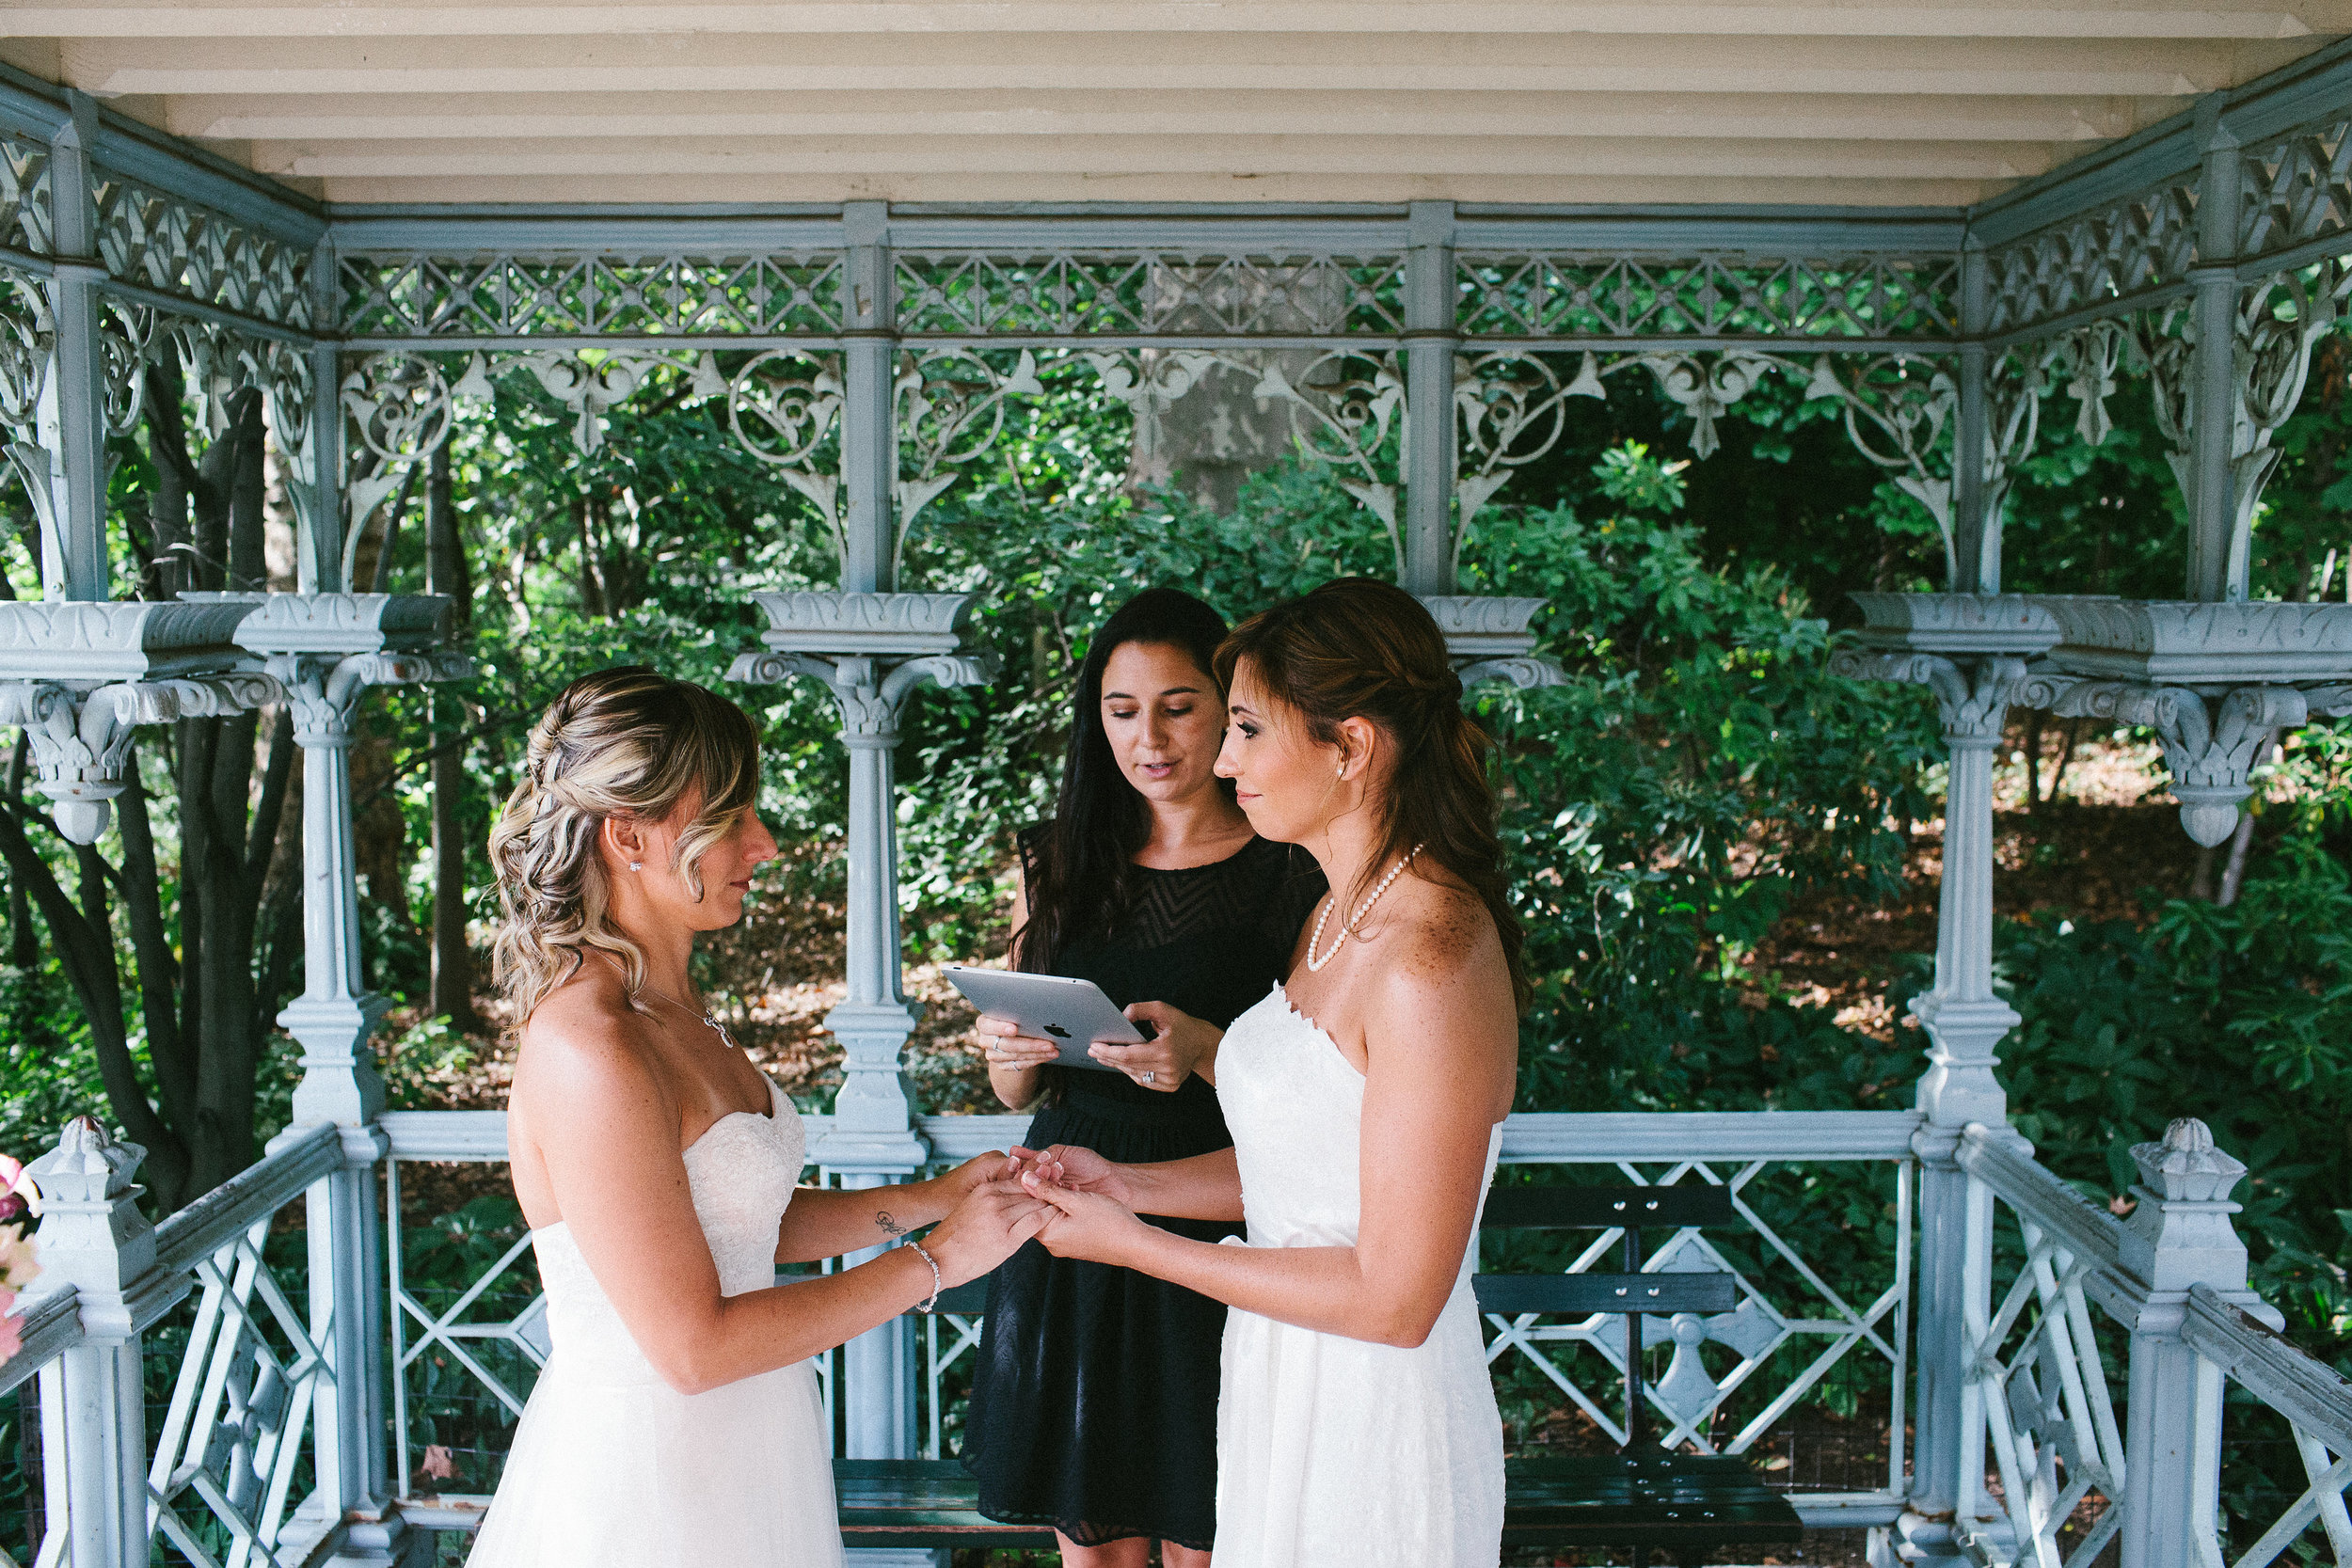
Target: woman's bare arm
<point>826,1222</point>
<point>1428,1117</point>
<point>607,1137</point>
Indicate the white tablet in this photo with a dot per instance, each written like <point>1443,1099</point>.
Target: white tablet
<point>1073,1013</point>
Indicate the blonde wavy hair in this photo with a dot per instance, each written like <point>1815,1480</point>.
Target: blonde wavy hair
<point>622,742</point>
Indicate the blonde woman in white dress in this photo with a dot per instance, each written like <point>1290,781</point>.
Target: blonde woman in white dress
<point>1356,1427</point>
<point>677,1424</point>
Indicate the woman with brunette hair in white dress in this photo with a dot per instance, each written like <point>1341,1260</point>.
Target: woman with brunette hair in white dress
<point>677,1424</point>
<point>1366,1095</point>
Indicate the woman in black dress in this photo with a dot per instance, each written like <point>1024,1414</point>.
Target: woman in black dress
<point>1094,1401</point>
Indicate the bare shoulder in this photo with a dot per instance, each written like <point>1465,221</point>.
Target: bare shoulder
<point>585,1051</point>
<point>1439,937</point>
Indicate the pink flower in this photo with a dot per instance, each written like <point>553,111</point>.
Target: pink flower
<point>20,1257</point>
<point>11,1326</point>
<point>17,1191</point>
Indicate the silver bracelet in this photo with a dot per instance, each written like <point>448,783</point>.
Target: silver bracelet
<point>919,1251</point>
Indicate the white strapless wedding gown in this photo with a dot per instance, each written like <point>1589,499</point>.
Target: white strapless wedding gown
<point>1334,1452</point>
<point>612,1465</point>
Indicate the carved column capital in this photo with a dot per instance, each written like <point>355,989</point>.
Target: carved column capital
<point>81,739</point>
<point>2212,744</point>
<point>870,691</point>
<point>1972,694</point>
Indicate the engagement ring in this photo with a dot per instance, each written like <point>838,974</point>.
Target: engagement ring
<point>1147,1078</point>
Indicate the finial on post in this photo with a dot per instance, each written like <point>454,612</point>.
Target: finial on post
<point>92,1235</point>
<point>2181,1234</point>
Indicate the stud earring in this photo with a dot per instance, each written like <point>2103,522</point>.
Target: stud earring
<point>637,866</point>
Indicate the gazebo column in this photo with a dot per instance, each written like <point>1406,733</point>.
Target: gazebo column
<point>326,649</point>
<point>1976,524</point>
<point>1430,343</point>
<point>72,411</point>
<point>870,651</point>
<point>1970,650</point>
<point>870,646</point>
<point>2213,392</point>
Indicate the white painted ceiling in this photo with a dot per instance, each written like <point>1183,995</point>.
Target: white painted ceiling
<point>1887,102</point>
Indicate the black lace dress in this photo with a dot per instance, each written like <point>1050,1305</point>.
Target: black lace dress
<point>1094,1401</point>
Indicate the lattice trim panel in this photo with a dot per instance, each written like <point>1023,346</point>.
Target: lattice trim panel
<point>2297,189</point>
<point>1790,1329</point>
<point>785,293</point>
<point>1613,297</point>
<point>23,195</point>
<point>231,1445</point>
<point>170,244</point>
<point>1154,294</point>
<point>2142,244</point>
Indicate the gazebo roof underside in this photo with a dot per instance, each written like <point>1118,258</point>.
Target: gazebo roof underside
<point>1896,104</point>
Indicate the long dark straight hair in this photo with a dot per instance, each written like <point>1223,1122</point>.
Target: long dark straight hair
<point>1082,872</point>
<point>1361,648</point>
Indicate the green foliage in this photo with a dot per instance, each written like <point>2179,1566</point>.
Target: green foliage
<point>1699,770</point>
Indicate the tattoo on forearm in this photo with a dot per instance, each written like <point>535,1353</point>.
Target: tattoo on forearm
<point>888,1226</point>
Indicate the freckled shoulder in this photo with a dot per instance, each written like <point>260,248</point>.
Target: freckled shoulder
<point>1442,933</point>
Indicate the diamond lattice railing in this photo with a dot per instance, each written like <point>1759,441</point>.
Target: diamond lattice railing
<point>2297,189</point>
<point>231,1449</point>
<point>2051,1439</point>
<point>1728,1381</point>
<point>2130,248</point>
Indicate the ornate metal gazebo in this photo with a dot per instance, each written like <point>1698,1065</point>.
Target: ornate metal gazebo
<point>1426,335</point>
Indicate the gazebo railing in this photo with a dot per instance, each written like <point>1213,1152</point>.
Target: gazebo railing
<point>2109,1364</point>
<point>2078,1297</point>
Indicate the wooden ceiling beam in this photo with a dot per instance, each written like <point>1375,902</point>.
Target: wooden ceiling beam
<point>1680,117</point>
<point>824,191</point>
<point>2139,67</point>
<point>1211,154</point>
<point>2201,19</point>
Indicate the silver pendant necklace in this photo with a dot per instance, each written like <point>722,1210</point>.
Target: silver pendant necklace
<point>1314,965</point>
<point>709,1021</point>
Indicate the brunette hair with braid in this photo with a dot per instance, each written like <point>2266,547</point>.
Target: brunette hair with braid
<point>623,742</point>
<point>1359,648</point>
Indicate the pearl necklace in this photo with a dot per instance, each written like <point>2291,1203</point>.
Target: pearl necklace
<point>709,1021</point>
<point>1314,965</point>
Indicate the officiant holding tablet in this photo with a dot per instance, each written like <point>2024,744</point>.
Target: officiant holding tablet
<point>1149,882</point>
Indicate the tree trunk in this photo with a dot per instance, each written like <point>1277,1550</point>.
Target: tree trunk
<point>24,941</point>
<point>452,960</point>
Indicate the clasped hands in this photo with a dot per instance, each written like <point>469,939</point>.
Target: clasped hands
<point>1090,1202</point>
<point>1079,1204</point>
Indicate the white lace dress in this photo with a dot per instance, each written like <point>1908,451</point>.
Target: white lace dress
<point>612,1465</point>
<point>1336,1451</point>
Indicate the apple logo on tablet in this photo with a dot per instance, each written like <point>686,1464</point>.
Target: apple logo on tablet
<point>1058,1031</point>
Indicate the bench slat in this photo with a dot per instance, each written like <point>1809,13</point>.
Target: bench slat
<point>1656,1500</point>
<point>1585,1294</point>
<point>1560,1208</point>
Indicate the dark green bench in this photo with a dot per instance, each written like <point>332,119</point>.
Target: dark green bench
<point>1645,1498</point>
